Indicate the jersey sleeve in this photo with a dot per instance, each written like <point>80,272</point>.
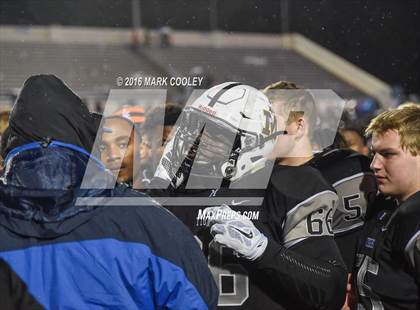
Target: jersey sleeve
<point>356,193</point>
<point>406,239</point>
<point>302,260</point>
<point>412,252</point>
<point>311,217</point>
<point>416,256</point>
<point>312,274</point>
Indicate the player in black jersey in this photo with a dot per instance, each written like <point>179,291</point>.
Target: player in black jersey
<point>388,255</point>
<point>290,255</point>
<point>349,173</point>
<point>217,156</point>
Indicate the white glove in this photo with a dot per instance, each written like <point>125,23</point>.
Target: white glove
<point>236,232</point>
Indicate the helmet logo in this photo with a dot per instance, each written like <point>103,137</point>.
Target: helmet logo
<point>269,124</point>
<point>207,110</point>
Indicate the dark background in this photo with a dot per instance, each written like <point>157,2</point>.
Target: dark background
<point>382,37</point>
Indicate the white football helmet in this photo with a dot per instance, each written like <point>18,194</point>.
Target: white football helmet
<point>225,133</point>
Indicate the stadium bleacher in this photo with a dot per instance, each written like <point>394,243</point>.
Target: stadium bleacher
<point>86,68</point>
<point>92,69</point>
<point>253,66</point>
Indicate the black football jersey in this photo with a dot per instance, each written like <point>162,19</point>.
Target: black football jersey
<point>188,205</point>
<point>350,175</point>
<point>297,217</point>
<point>296,206</point>
<point>388,257</point>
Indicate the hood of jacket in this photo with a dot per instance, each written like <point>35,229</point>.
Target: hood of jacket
<point>40,187</point>
<point>46,109</point>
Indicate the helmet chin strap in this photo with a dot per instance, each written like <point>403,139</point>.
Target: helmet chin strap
<point>229,168</point>
<point>270,137</point>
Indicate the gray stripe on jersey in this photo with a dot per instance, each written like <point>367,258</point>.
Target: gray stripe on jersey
<point>367,265</point>
<point>352,177</point>
<point>309,218</point>
<point>412,246</point>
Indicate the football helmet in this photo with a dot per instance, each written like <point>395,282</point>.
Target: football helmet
<point>225,133</point>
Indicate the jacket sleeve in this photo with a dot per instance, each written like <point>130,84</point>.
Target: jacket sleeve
<point>182,287</point>
<point>177,267</point>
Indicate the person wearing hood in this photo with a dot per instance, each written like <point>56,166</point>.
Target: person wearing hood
<point>75,246</point>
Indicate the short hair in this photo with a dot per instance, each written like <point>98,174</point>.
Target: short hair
<point>405,120</point>
<point>296,103</point>
<point>408,104</point>
<point>359,133</point>
<point>172,112</point>
<point>154,116</point>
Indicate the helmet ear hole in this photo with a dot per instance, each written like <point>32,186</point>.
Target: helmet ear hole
<point>228,170</point>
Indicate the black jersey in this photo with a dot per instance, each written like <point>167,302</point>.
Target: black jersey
<point>350,175</point>
<point>301,263</point>
<point>388,257</point>
<point>232,279</point>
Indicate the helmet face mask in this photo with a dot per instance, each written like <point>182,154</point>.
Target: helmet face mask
<point>222,136</point>
<point>203,142</point>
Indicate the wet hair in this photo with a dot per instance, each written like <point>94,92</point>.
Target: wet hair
<point>356,131</point>
<point>405,120</point>
<point>296,102</point>
<point>154,116</point>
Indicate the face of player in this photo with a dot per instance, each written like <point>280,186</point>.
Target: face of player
<point>4,122</point>
<point>166,133</point>
<point>355,142</point>
<point>284,143</point>
<point>214,147</point>
<point>146,147</point>
<point>166,136</point>
<point>152,147</point>
<point>118,147</point>
<point>397,170</point>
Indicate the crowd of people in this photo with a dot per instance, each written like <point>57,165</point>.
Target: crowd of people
<point>222,204</point>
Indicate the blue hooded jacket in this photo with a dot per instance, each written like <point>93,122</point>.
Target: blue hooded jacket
<point>79,256</point>
<point>69,245</point>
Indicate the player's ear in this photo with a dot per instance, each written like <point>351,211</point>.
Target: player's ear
<point>301,125</point>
